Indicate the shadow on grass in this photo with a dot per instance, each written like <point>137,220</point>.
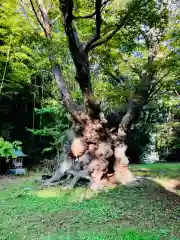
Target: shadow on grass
<point>146,211</point>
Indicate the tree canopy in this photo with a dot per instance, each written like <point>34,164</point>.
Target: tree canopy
<point>122,57</point>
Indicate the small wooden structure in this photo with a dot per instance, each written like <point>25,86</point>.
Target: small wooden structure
<point>17,163</point>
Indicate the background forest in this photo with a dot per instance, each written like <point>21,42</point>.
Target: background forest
<point>30,106</point>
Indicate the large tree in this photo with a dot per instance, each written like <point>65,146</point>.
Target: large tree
<point>101,144</point>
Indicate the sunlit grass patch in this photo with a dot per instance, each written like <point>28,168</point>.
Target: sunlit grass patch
<point>160,170</point>
<point>171,185</point>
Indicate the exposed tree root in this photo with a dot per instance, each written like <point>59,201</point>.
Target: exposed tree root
<point>50,184</point>
<point>83,174</point>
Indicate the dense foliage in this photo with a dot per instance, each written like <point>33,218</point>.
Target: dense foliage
<point>27,87</point>
<point>7,148</point>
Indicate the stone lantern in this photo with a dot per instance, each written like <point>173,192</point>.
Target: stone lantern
<point>16,167</point>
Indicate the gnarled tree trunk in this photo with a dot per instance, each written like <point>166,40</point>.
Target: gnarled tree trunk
<point>101,149</point>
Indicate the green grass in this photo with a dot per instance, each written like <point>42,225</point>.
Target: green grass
<point>168,170</point>
<point>143,212</point>
<point>158,166</point>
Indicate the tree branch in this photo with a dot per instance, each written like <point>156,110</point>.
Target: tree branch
<point>66,7</point>
<point>177,93</point>
<point>108,36</point>
<point>96,36</point>
<point>65,95</point>
<point>155,90</point>
<point>36,15</point>
<point>79,56</point>
<point>118,26</point>
<point>45,17</point>
<point>92,14</point>
<point>133,112</point>
<point>147,77</point>
<point>56,70</point>
<point>119,78</point>
<point>26,15</point>
<point>85,17</point>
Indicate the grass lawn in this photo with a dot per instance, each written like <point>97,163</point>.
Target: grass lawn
<point>158,166</point>
<point>166,170</point>
<point>145,212</point>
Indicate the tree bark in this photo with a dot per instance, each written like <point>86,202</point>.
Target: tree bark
<point>105,146</point>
